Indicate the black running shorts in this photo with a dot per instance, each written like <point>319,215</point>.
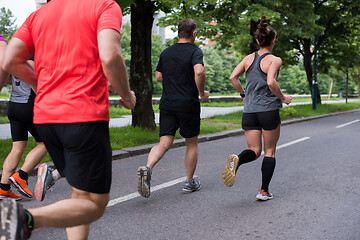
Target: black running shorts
<point>262,120</point>
<point>171,121</point>
<point>21,121</point>
<point>81,153</point>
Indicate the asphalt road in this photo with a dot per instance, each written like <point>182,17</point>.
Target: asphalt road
<point>315,187</point>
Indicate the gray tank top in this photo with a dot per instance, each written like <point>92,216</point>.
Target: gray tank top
<point>21,92</point>
<point>259,98</point>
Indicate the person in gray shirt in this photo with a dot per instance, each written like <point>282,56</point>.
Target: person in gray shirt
<point>262,102</point>
<point>20,114</point>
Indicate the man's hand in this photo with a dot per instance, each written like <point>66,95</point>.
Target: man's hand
<point>129,103</point>
<point>205,95</point>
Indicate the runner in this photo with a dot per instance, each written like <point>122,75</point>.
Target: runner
<point>77,54</point>
<point>261,108</point>
<point>181,71</point>
<point>20,114</point>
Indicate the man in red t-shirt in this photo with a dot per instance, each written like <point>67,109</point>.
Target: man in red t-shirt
<point>77,50</point>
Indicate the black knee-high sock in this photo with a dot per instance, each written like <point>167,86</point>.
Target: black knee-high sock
<point>267,169</point>
<point>246,156</point>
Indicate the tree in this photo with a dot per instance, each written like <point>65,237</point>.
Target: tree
<point>293,20</point>
<point>140,65</point>
<point>7,23</point>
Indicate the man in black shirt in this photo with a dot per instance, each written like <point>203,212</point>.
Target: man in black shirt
<point>181,70</point>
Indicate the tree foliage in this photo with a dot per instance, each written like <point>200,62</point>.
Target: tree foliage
<point>7,23</point>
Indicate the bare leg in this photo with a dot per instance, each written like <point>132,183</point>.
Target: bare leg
<point>191,157</point>
<point>34,157</point>
<point>270,140</point>
<point>12,160</point>
<point>158,151</point>
<point>253,139</point>
<point>75,213</point>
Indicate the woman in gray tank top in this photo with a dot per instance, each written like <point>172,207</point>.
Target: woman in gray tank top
<point>263,100</point>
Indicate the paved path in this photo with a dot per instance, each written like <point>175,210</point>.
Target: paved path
<point>205,112</point>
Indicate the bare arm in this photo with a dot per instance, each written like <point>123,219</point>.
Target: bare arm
<point>15,62</point>
<point>4,76</point>
<point>114,66</point>
<point>234,77</point>
<point>158,76</point>
<point>272,83</point>
<point>200,78</point>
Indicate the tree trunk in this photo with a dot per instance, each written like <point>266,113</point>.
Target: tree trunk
<point>359,84</point>
<point>140,65</point>
<point>308,67</point>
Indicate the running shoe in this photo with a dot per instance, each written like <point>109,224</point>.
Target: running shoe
<point>20,184</point>
<point>9,194</point>
<point>44,181</point>
<point>264,195</point>
<point>191,186</point>
<point>144,177</point>
<point>230,170</point>
<point>12,221</point>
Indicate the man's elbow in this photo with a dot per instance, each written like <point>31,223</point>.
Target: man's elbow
<point>200,72</point>
<point>5,65</point>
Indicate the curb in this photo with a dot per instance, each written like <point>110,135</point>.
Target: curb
<point>145,149</point>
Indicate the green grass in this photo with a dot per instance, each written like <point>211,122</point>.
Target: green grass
<point>128,136</point>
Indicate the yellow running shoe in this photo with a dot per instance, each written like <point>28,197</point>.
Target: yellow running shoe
<point>230,170</point>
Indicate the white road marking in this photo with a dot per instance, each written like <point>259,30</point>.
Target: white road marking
<point>153,189</point>
<point>290,143</point>
<point>179,180</point>
<point>345,124</point>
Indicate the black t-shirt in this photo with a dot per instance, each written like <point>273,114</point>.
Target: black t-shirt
<point>177,67</point>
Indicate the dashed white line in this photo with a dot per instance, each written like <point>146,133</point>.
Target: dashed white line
<point>345,124</point>
<point>179,180</point>
<point>289,143</point>
<point>153,189</point>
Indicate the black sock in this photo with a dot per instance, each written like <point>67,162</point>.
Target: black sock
<point>5,186</point>
<point>23,175</point>
<point>267,169</point>
<point>246,156</point>
<point>29,220</point>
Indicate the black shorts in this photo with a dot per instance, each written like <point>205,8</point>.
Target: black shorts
<point>261,120</point>
<point>170,121</point>
<point>81,153</point>
<point>21,121</point>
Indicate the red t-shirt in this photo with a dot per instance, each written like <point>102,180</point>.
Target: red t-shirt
<point>62,34</point>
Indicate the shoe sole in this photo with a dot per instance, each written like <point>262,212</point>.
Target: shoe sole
<point>39,187</point>
<point>16,185</point>
<point>10,228</point>
<point>185,191</point>
<point>142,187</point>
<point>230,170</point>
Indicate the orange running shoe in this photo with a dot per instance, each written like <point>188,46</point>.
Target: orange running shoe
<point>9,194</point>
<point>20,184</point>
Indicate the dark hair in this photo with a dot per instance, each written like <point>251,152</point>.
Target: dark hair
<point>264,33</point>
<point>186,28</point>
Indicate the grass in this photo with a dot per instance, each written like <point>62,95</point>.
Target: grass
<point>128,136</point>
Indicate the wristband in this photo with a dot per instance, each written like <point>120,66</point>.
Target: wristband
<point>123,103</point>
<point>242,95</point>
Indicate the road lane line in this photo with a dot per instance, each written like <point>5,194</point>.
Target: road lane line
<point>345,124</point>
<point>179,180</point>
<point>289,143</point>
<point>152,189</point>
